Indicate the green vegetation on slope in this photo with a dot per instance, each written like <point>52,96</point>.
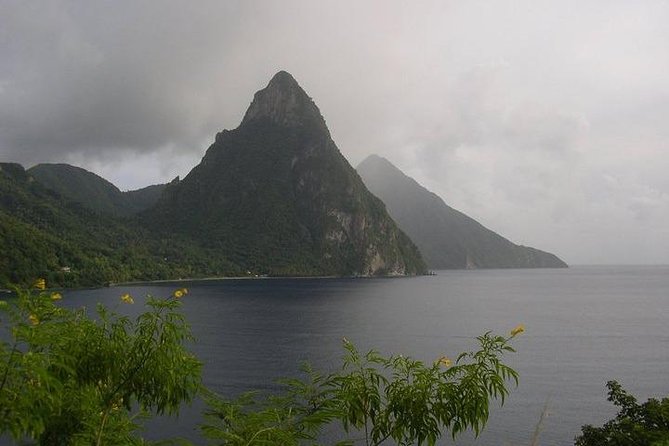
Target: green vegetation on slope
<point>45,235</point>
<point>278,197</point>
<point>93,191</point>
<point>313,217</point>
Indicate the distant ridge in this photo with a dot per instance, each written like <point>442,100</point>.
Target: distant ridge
<point>93,191</point>
<point>446,237</point>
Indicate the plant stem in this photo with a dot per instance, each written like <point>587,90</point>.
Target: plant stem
<point>7,410</point>
<point>537,429</point>
<point>98,440</point>
<point>139,365</point>
<point>258,433</point>
<point>9,363</point>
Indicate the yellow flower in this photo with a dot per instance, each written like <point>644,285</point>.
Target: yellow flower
<point>445,361</point>
<point>40,284</point>
<point>56,296</point>
<point>518,330</point>
<point>33,319</point>
<point>127,298</point>
<point>179,293</point>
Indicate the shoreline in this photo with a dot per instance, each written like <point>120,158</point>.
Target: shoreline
<point>217,279</point>
<point>224,278</point>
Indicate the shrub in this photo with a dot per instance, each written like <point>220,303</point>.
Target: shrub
<point>635,424</point>
<point>67,379</point>
<point>374,397</point>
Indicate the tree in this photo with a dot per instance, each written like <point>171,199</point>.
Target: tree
<point>635,424</point>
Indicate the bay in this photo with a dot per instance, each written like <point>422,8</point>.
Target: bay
<point>585,325</point>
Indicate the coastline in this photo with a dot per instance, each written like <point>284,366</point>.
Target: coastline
<point>224,278</point>
<point>215,279</point>
<point>218,279</point>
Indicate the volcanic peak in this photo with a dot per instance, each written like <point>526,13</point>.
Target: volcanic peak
<point>283,102</point>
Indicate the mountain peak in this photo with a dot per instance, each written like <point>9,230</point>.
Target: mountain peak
<point>282,102</point>
<point>377,161</point>
<point>276,196</point>
<point>283,79</point>
<point>446,237</point>
<point>379,167</point>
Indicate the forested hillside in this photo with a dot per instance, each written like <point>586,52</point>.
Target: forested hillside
<point>45,235</point>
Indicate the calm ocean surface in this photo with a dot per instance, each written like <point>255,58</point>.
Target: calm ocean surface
<point>585,325</point>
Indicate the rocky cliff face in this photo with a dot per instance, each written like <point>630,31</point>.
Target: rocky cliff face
<point>446,237</point>
<point>284,103</point>
<point>277,197</point>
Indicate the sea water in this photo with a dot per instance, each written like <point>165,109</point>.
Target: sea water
<point>584,326</point>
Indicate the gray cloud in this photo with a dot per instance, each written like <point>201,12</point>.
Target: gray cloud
<point>99,79</point>
<point>545,120</point>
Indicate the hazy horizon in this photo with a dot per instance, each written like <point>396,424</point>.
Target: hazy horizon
<point>544,121</point>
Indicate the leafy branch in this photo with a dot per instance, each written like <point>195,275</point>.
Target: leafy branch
<point>381,398</point>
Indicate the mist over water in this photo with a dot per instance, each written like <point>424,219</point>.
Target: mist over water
<point>585,325</point>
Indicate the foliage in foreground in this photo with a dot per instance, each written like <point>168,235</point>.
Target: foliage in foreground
<point>635,424</point>
<point>68,379</point>
<point>375,398</point>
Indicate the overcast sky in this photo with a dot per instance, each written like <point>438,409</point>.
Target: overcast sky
<point>548,121</point>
